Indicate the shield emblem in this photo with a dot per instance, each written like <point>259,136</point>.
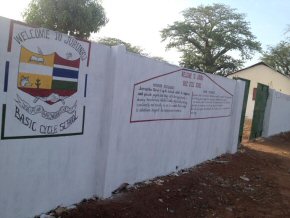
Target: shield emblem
<point>49,78</point>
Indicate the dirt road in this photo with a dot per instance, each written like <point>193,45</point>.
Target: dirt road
<point>255,182</point>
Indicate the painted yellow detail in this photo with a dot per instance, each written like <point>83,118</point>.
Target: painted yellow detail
<point>30,57</point>
<point>27,80</point>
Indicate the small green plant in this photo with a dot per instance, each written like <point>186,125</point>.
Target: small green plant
<point>37,83</point>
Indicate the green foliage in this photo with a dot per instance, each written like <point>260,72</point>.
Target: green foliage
<point>129,47</point>
<point>278,57</point>
<point>77,17</point>
<point>158,58</point>
<point>208,35</point>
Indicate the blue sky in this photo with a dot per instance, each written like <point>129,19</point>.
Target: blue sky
<point>139,22</point>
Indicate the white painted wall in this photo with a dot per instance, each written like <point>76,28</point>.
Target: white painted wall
<point>39,174</point>
<point>139,151</point>
<point>276,118</point>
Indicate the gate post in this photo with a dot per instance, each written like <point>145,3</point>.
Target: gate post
<point>236,116</point>
<point>259,111</point>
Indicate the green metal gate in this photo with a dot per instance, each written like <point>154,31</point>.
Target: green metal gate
<point>259,111</point>
<point>246,94</point>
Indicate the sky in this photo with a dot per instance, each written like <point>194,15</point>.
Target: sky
<point>139,22</point>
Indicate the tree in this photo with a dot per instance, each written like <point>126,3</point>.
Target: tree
<point>158,58</point>
<point>278,57</point>
<point>208,36</point>
<point>129,47</point>
<point>77,17</point>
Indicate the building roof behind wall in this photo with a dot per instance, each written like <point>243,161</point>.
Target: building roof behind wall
<point>259,63</point>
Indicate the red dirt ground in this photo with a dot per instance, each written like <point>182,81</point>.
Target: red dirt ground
<point>254,182</point>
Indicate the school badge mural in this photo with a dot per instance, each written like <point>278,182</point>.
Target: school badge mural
<point>45,82</point>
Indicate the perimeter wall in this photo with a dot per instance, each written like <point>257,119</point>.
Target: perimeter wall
<point>277,113</point>
<point>79,118</point>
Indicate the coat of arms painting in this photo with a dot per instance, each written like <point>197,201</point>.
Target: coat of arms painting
<point>45,83</point>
